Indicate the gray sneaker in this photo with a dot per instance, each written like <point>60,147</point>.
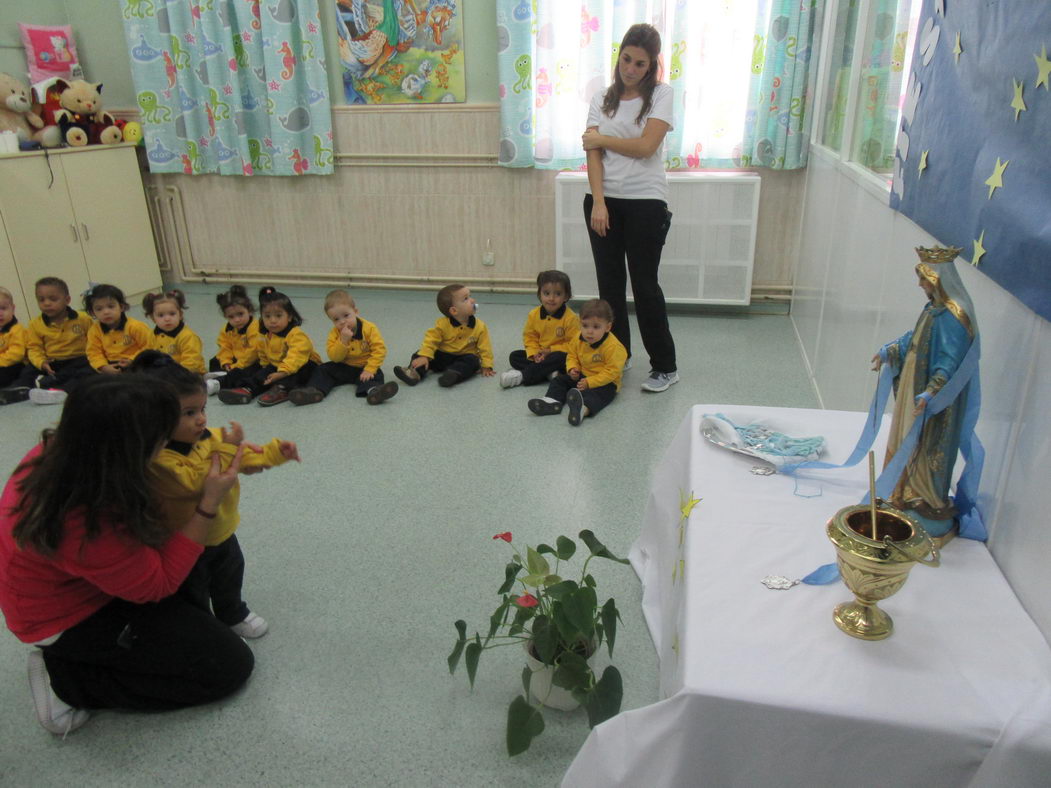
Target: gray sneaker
<point>660,381</point>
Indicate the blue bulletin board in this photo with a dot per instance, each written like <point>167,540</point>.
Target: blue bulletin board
<point>973,163</point>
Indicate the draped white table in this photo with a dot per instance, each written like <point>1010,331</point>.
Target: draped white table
<point>759,687</point>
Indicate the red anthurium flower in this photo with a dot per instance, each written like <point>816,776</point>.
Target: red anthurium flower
<point>506,536</point>
<point>527,600</point>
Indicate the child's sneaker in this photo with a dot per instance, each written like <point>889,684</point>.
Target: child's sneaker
<point>381,393</point>
<point>215,375</point>
<point>14,394</point>
<point>542,406</point>
<point>308,395</point>
<point>254,626</point>
<point>55,715</point>
<point>449,378</point>
<point>407,375</point>
<point>575,403</point>
<point>47,396</point>
<point>510,379</point>
<point>235,396</point>
<point>275,395</point>
<point>212,385</point>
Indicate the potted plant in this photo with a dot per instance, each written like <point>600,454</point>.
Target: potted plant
<point>561,625</point>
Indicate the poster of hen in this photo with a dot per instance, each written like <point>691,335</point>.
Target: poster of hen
<point>401,51</point>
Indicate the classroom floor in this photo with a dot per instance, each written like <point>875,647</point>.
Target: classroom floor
<point>362,557</point>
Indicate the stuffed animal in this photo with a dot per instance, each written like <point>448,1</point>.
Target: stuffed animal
<point>76,109</point>
<point>16,114</point>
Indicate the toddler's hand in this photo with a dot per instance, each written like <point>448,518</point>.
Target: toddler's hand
<point>289,451</point>
<point>574,373</point>
<point>46,367</point>
<point>109,369</point>
<point>346,334</point>
<point>366,376</point>
<point>420,362</point>
<point>274,377</point>
<point>877,362</point>
<point>123,363</point>
<point>234,435</point>
<point>228,367</point>
<point>488,371</point>
<point>583,384</point>
<point>540,355</point>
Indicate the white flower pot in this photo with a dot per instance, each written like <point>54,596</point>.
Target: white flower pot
<point>542,689</point>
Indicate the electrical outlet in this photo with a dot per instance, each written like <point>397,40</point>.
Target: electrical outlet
<point>489,258</point>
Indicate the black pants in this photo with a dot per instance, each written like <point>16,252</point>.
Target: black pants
<point>537,372</point>
<point>255,375</point>
<point>69,373</point>
<point>466,365</point>
<point>331,374</point>
<point>594,399</point>
<point>9,375</point>
<point>238,377</point>
<point>151,657</point>
<point>214,583</point>
<point>637,229</point>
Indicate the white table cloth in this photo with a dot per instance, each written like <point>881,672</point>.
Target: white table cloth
<point>761,688</point>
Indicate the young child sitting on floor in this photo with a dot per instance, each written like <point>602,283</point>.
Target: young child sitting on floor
<point>177,475</point>
<point>548,331</point>
<point>171,335</point>
<point>595,363</point>
<point>356,350</point>
<point>12,341</point>
<point>238,341</point>
<point>116,339</point>
<point>457,345</point>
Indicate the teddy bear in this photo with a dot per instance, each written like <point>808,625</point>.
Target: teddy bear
<point>75,107</point>
<point>17,115</point>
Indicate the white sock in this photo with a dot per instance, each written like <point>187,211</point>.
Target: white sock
<point>551,400</point>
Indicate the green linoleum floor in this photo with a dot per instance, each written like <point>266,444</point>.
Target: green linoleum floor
<point>362,557</point>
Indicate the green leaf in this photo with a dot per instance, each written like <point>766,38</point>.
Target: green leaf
<point>589,581</point>
<point>470,658</point>
<point>580,608</point>
<point>524,723</point>
<point>510,573</point>
<point>454,657</point>
<point>527,675</point>
<point>598,549</point>
<point>604,700</point>
<point>534,581</point>
<point>545,548</point>
<point>609,622</point>
<point>559,590</point>
<point>572,672</point>
<point>566,548</point>
<point>567,630</point>
<point>498,617</point>
<point>522,615</point>
<point>536,564</point>
<point>545,639</point>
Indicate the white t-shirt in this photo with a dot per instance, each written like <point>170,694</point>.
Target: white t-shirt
<point>627,177</point>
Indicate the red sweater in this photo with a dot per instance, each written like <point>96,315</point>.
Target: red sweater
<point>41,596</point>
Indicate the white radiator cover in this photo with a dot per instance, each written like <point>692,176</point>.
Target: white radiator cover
<point>710,251</point>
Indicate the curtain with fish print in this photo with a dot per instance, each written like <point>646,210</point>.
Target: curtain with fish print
<point>231,87</point>
<point>784,76</point>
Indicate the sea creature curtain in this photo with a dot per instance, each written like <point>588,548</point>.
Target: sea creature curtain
<point>554,55</point>
<point>231,87</point>
<point>784,74</point>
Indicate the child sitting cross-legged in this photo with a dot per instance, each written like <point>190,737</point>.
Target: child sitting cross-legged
<point>356,350</point>
<point>548,330</point>
<point>595,362</point>
<point>457,345</point>
<point>116,339</point>
<point>177,474</point>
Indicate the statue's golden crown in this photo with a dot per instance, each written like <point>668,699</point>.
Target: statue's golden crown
<point>938,254</point>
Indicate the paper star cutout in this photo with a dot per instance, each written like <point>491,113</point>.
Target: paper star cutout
<point>1017,103</point>
<point>979,250</point>
<point>923,162</point>
<point>1043,67</point>
<point>996,180</point>
<point>957,49</point>
<point>686,504</point>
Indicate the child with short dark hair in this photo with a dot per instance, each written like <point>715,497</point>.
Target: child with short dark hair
<point>457,345</point>
<point>548,330</point>
<point>177,474</point>
<point>171,335</point>
<point>116,339</point>
<point>56,343</point>
<point>355,349</point>
<point>286,355</point>
<point>595,363</point>
<point>12,341</point>
<point>238,341</point>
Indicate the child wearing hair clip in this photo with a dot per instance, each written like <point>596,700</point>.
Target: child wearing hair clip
<point>238,341</point>
<point>172,336</point>
<point>286,355</point>
<point>115,340</point>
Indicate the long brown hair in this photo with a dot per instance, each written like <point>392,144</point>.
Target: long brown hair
<point>95,463</point>
<point>645,37</point>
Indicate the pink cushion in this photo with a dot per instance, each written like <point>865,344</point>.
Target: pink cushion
<point>50,50</point>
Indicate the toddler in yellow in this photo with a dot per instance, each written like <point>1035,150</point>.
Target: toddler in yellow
<point>548,331</point>
<point>457,345</point>
<point>177,476</point>
<point>12,342</point>
<point>355,350</point>
<point>116,339</point>
<point>238,341</point>
<point>171,335</point>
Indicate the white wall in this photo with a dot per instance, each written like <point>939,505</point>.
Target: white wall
<point>855,290</point>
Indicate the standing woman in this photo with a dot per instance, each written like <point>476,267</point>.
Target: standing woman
<point>627,208</point>
<point>87,568</point>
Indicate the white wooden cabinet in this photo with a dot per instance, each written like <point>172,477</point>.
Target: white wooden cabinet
<point>78,214</point>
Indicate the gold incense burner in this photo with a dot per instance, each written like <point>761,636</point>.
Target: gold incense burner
<point>875,564</point>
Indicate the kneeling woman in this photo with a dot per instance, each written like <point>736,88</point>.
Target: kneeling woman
<point>87,570</point>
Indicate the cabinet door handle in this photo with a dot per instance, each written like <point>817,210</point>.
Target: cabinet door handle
<point>76,238</point>
<point>84,231</point>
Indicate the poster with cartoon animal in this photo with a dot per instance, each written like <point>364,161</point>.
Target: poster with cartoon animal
<point>401,51</point>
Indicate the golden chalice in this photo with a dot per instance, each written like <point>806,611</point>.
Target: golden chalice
<point>875,562</point>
